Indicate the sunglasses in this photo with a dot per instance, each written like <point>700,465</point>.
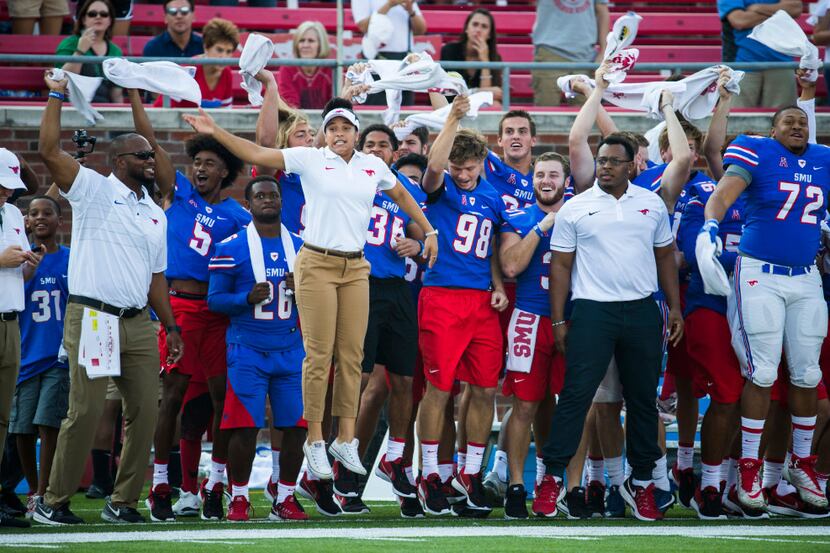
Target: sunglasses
<point>176,11</point>
<point>93,14</point>
<point>143,156</point>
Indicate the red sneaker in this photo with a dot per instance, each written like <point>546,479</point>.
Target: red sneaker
<point>802,472</point>
<point>792,505</point>
<point>749,484</point>
<point>239,509</point>
<point>547,494</point>
<point>395,473</point>
<point>289,509</point>
<point>641,501</point>
<point>270,491</point>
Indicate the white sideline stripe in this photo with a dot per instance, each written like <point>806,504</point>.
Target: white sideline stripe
<point>570,532</point>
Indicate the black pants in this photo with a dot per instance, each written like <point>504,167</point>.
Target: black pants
<point>392,331</point>
<point>631,332</point>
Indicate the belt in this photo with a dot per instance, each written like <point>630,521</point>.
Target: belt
<point>336,253</point>
<point>121,312</point>
<point>785,270</point>
<point>186,295</point>
<point>10,316</point>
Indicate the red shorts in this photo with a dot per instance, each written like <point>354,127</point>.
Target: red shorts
<point>780,390</point>
<point>504,316</point>
<point>203,334</point>
<point>547,366</point>
<point>824,360</point>
<point>459,337</point>
<point>679,363</point>
<point>709,346</point>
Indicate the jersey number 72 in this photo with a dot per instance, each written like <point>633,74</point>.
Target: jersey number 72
<point>793,189</point>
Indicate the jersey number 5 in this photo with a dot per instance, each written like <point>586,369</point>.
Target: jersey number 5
<point>283,309</point>
<point>201,239</point>
<point>793,189</point>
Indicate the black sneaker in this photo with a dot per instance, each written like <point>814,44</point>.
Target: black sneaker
<point>94,491</point>
<point>515,502</point>
<point>12,504</point>
<point>574,504</point>
<point>410,508</point>
<point>708,504</point>
<point>595,499</point>
<point>321,493</point>
<point>160,504</point>
<point>433,500</point>
<point>8,521</point>
<point>686,484</point>
<point>212,508</point>
<point>352,505</point>
<point>472,487</point>
<point>462,510</point>
<point>395,473</point>
<point>120,514</point>
<point>54,516</point>
<point>345,481</point>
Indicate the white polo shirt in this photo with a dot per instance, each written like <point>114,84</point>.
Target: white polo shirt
<point>338,195</point>
<point>402,37</point>
<point>118,240</point>
<point>12,233</point>
<point>614,241</point>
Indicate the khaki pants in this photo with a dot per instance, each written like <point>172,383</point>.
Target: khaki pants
<point>772,88</point>
<point>9,369</point>
<point>545,91</point>
<point>333,301</point>
<point>138,385</point>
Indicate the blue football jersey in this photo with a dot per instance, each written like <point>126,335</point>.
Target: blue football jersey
<point>532,284</point>
<point>786,200</point>
<point>467,221</point>
<point>730,230</point>
<point>41,323</point>
<point>267,327</point>
<point>515,189</point>
<point>194,227</point>
<point>293,203</point>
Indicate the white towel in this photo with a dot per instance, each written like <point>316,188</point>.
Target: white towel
<point>377,35</point>
<point>653,137</point>
<point>820,10</point>
<point>99,348</point>
<point>258,257</point>
<point>255,56</point>
<point>633,96</point>
<point>616,47</point>
<point>712,272</point>
<point>701,94</point>
<point>160,77</point>
<point>81,92</point>
<point>621,63</point>
<point>435,120</point>
<point>809,107</point>
<point>783,34</point>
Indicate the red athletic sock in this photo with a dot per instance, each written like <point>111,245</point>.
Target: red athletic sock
<point>190,452</point>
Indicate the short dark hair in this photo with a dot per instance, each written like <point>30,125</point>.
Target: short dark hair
<point>518,113</point>
<point>555,156</point>
<point>412,159</point>
<point>637,139</point>
<point>47,198</point>
<point>206,143</point>
<point>337,103</point>
<point>423,135</point>
<point>781,111</point>
<point>256,180</point>
<point>616,140</point>
<point>191,2</point>
<point>378,127</point>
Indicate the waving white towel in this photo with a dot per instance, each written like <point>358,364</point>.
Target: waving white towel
<point>255,55</point>
<point>633,96</point>
<point>783,34</point>
<point>160,77</point>
<point>809,107</point>
<point>616,47</point>
<point>81,92</point>
<point>701,94</point>
<point>821,9</point>
<point>258,257</point>
<point>653,137</point>
<point>712,272</point>
<point>377,35</point>
<point>435,120</point>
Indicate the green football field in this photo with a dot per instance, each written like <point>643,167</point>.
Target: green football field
<point>383,530</point>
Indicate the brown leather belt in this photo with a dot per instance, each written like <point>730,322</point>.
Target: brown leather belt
<point>336,253</point>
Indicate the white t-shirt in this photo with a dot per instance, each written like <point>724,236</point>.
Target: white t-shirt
<point>614,241</point>
<point>402,37</point>
<point>118,240</point>
<point>338,195</point>
<point>12,233</point>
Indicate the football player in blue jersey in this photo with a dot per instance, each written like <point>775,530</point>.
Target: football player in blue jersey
<point>199,217</point>
<point>416,142</point>
<point>512,174</point>
<point>776,302</point>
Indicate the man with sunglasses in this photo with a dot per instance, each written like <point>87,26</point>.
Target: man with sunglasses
<point>178,40</point>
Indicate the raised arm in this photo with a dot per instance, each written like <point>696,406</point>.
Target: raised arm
<point>807,102</point>
<point>676,174</point>
<point>268,121</point>
<point>439,154</point>
<point>579,152</point>
<point>62,166</point>
<point>165,172</point>
<point>716,135</point>
<point>29,178</point>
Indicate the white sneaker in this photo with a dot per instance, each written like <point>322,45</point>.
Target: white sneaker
<point>316,459</point>
<point>802,473</point>
<point>347,454</point>
<point>188,505</point>
<point>494,487</point>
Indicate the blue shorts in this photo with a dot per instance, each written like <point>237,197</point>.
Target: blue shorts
<point>254,374</point>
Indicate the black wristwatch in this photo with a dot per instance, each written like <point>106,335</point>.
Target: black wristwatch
<point>173,328</point>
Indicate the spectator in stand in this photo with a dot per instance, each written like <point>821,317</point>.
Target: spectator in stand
<point>178,40</point>
<point>307,87</point>
<point>48,14</point>
<point>221,38</point>
<point>566,30</point>
<point>405,14</point>
<point>477,42</point>
<point>92,36</point>
<point>770,88</point>
<point>123,16</point>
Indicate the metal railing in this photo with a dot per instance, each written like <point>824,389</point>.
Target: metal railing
<point>505,67</point>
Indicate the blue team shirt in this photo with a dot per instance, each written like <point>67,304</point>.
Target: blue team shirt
<point>269,327</point>
<point>749,49</point>
<point>293,203</point>
<point>467,221</point>
<point>41,323</point>
<point>730,230</point>
<point>786,200</point>
<point>532,284</point>
<point>195,227</point>
<point>515,189</point>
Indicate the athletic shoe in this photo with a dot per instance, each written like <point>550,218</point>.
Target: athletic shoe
<point>685,481</point>
<point>346,453</point>
<point>641,501</point>
<point>320,492</point>
<point>792,505</point>
<point>8,521</point>
<point>573,504</point>
<point>802,471</point>
<point>54,516</point>
<point>188,505</point>
<point>120,514</point>
<point>494,487</point>
<point>31,501</point>
<point>11,504</point>
<point>94,491</point>
<point>289,509</point>
<point>614,503</point>
<point>734,507</point>
<point>352,505</point>
<point>212,508</point>
<point>749,484</point>
<point>595,499</point>
<point>317,460</point>
<point>345,481</point>
<point>462,510</point>
<point>515,502</point>
<point>707,504</point>
<point>432,498</point>
<point>270,491</point>
<point>239,509</point>
<point>664,499</point>
<point>410,507</point>
<point>395,473</point>
<point>453,496</point>
<point>471,486</point>
<point>547,494</point>
<point>159,503</point>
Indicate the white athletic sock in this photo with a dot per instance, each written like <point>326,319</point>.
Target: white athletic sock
<point>614,467</point>
<point>731,474</point>
<point>159,473</point>
<point>410,474</point>
<point>445,470</point>
<point>500,465</point>
<point>475,454</point>
<point>785,488</point>
<point>217,473</point>
<point>275,465</point>
<point>540,469</point>
<point>240,489</point>
<point>751,430</point>
<point>772,472</point>
<point>429,457</point>
<point>803,428</point>
<point>462,461</point>
<point>596,469</point>
<point>284,489</point>
<point>724,473</point>
<point>660,474</point>
<point>685,456</point>
<point>628,469</point>
<point>710,476</point>
<point>822,477</point>
<point>394,449</point>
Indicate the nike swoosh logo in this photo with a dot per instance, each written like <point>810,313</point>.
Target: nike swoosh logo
<point>64,276</point>
<point>518,380</point>
<point>433,371</point>
<point>329,168</point>
<point>593,212</point>
<point>119,203</point>
<point>817,168</point>
<point>221,218</point>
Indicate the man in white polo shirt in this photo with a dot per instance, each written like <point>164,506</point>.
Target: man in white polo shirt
<point>611,245</point>
<point>17,263</point>
<point>117,263</point>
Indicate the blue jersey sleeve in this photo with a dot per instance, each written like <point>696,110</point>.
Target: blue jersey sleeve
<point>744,152</point>
<point>223,270</point>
